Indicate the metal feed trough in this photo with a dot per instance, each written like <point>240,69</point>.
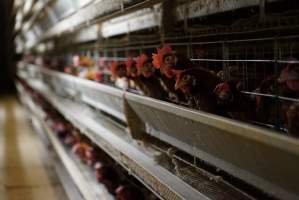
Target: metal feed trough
<point>103,97</point>
<point>30,71</point>
<point>62,84</point>
<point>33,71</point>
<point>260,157</point>
<point>100,96</point>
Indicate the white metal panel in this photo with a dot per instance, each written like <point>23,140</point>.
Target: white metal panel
<point>201,8</point>
<point>37,30</point>
<point>63,8</point>
<point>30,39</point>
<point>84,15</point>
<point>87,34</point>
<point>19,44</point>
<point>82,3</point>
<point>27,6</point>
<point>139,20</point>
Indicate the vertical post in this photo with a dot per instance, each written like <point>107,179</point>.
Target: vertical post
<point>225,56</point>
<point>114,53</point>
<point>122,6</point>
<point>189,49</point>
<point>96,58</point>
<point>168,18</point>
<point>186,15</point>
<point>246,78</point>
<point>105,52</point>
<point>277,103</point>
<point>262,10</point>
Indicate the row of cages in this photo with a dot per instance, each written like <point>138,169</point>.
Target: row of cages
<point>107,19</point>
<point>52,12</point>
<point>207,136</point>
<point>95,173</point>
<point>67,129</point>
<point>224,96</point>
<point>263,72</point>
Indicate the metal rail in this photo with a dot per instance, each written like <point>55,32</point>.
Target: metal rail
<point>134,46</point>
<point>229,40</point>
<point>247,60</point>
<point>272,96</point>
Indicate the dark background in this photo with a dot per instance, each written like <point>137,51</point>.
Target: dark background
<point>7,67</point>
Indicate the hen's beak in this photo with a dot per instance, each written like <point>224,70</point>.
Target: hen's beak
<point>177,85</point>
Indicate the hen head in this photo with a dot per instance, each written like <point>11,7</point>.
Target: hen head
<point>170,60</point>
<point>70,70</point>
<point>164,60</point>
<point>100,171</point>
<point>128,193</point>
<point>223,92</point>
<point>145,66</point>
<point>79,149</point>
<point>119,69</point>
<point>131,67</point>
<point>184,81</point>
<point>122,193</point>
<point>90,155</point>
<point>290,76</point>
<point>292,119</point>
<point>69,140</point>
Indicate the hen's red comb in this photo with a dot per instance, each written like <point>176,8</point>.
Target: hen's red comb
<point>159,56</point>
<point>114,68</point>
<point>129,64</point>
<point>141,60</point>
<point>222,87</point>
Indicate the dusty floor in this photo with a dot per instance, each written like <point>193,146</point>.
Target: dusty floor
<point>25,170</point>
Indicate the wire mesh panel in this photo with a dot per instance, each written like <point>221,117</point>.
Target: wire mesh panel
<point>244,151</point>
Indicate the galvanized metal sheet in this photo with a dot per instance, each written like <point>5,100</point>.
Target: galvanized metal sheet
<point>63,84</point>
<point>200,8</point>
<point>139,20</point>
<point>100,96</point>
<point>85,35</point>
<point>33,71</point>
<point>103,97</point>
<point>86,14</point>
<point>260,157</point>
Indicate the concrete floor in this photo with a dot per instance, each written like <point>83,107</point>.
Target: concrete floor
<point>26,172</point>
